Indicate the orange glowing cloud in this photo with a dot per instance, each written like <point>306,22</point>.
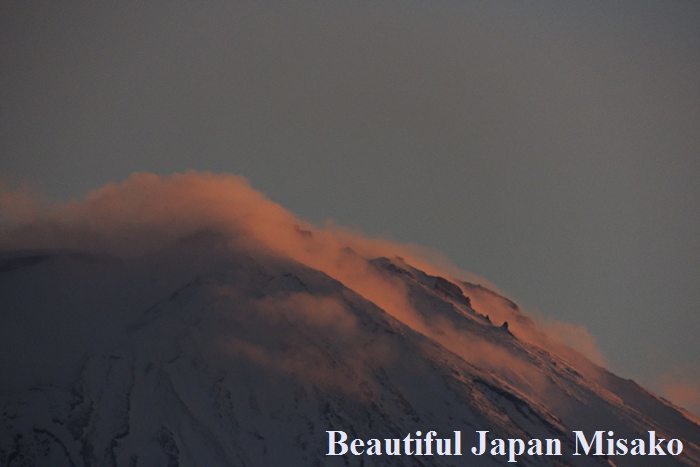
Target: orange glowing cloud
<point>682,387</point>
<point>148,212</point>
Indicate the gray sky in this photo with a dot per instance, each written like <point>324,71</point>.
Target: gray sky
<point>552,147</point>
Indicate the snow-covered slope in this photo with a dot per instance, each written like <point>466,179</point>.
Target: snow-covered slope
<point>204,355</point>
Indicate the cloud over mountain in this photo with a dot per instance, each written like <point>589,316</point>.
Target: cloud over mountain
<point>177,300</point>
<point>147,212</point>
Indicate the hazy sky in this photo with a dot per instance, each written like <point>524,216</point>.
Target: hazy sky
<point>551,147</point>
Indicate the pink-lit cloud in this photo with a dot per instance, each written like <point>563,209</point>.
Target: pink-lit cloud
<point>148,212</point>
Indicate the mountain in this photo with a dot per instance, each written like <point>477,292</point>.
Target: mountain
<point>188,320</point>
<point>202,356</point>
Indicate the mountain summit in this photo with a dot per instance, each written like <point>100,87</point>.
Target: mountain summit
<point>189,321</point>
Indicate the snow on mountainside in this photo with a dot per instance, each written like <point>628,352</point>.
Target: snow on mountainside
<point>202,350</point>
<point>250,360</point>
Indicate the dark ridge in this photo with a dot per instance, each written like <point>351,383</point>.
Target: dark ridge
<point>451,290</point>
<point>13,264</point>
<point>481,288</point>
<point>303,232</point>
<point>14,260</point>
